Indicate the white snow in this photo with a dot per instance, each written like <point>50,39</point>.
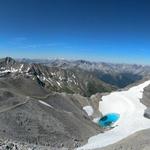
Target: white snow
<point>28,69</point>
<point>9,70</point>
<point>13,70</point>
<point>73,76</point>
<point>43,78</point>
<point>58,83</point>
<point>30,75</point>
<point>131,110</point>
<point>61,78</point>
<point>88,110</point>
<point>44,103</point>
<point>69,80</point>
<point>95,120</point>
<point>20,69</point>
<point>53,73</point>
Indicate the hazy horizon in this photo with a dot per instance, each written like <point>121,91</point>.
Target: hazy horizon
<point>67,59</point>
<point>108,30</point>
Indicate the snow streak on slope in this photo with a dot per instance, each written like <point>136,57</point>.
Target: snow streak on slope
<point>131,110</point>
<point>44,103</point>
<point>89,110</point>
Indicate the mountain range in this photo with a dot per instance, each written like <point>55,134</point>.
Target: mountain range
<point>86,74</point>
<point>42,102</point>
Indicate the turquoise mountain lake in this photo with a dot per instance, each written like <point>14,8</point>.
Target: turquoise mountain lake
<point>108,119</point>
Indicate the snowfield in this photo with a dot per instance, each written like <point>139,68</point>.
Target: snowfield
<point>88,110</point>
<point>131,110</point>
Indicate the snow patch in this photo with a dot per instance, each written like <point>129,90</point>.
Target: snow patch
<point>43,78</point>
<point>73,76</point>
<point>88,110</point>
<point>53,73</point>
<point>44,103</point>
<point>95,120</point>
<point>13,70</point>
<point>58,83</point>
<point>131,110</point>
<point>28,69</point>
<point>61,78</point>
<point>20,69</point>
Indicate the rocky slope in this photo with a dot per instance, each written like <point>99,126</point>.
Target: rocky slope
<point>32,113</point>
<point>119,75</point>
<point>43,104</point>
<point>29,114</point>
<point>55,78</point>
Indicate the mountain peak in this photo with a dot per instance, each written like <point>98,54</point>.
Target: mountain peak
<point>9,60</point>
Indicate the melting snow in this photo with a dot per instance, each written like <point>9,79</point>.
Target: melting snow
<point>53,73</point>
<point>44,78</point>
<point>88,109</point>
<point>60,78</point>
<point>73,76</point>
<point>28,69</point>
<point>131,110</point>
<point>58,83</point>
<point>9,70</point>
<point>44,103</point>
<point>20,69</point>
<point>95,120</point>
<point>69,80</point>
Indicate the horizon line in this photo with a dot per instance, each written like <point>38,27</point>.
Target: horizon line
<point>87,60</point>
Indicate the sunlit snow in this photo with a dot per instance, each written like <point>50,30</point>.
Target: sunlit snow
<point>131,110</point>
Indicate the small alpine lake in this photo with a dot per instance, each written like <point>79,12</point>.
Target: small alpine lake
<point>108,120</point>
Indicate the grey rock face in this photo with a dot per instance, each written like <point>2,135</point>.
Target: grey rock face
<point>147,113</point>
<point>24,118</point>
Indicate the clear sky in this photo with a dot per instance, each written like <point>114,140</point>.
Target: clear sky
<point>96,30</point>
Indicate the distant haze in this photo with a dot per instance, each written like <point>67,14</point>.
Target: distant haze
<point>95,30</point>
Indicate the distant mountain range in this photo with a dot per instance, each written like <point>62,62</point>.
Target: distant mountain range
<point>82,77</point>
<point>41,102</point>
<point>91,66</point>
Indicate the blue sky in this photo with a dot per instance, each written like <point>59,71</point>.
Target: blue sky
<point>96,30</point>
